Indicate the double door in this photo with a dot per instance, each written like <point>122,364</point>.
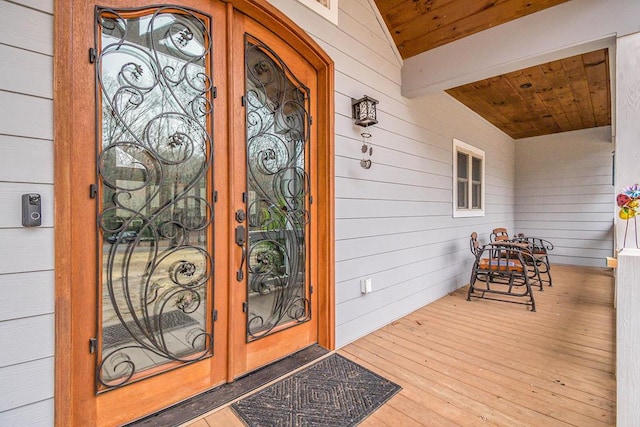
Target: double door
<point>199,227</point>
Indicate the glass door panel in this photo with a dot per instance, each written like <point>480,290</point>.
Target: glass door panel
<point>154,175</point>
<point>278,125</point>
<point>151,274</point>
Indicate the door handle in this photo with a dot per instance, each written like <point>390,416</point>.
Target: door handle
<point>240,241</point>
<point>240,235</point>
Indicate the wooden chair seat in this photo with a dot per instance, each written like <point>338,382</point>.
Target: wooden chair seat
<point>497,264</point>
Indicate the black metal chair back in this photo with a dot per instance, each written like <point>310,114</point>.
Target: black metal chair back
<point>501,273</point>
<point>539,248</point>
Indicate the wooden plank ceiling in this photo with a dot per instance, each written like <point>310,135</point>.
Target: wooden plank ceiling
<point>559,96</point>
<point>420,25</point>
<point>569,94</point>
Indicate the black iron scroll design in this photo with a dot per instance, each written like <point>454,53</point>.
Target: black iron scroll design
<point>278,133</point>
<point>155,154</point>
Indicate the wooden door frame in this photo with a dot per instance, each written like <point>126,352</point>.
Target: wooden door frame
<point>67,183</point>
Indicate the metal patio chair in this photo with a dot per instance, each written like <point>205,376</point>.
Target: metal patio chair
<point>540,249</point>
<point>538,252</point>
<point>501,273</point>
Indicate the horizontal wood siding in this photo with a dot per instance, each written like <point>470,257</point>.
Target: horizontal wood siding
<point>394,221</point>
<point>26,166</point>
<point>35,287</point>
<point>31,382</point>
<point>38,415</point>
<point>564,193</point>
<point>30,338</point>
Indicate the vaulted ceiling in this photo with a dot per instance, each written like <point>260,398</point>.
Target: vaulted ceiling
<point>568,94</point>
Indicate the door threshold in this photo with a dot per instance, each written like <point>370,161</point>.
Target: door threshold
<point>215,398</point>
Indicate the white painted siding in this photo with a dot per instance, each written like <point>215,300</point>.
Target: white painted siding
<point>394,221</point>
<point>627,338</point>
<point>627,277</point>
<point>627,98</point>
<point>564,193</point>
<point>26,254</point>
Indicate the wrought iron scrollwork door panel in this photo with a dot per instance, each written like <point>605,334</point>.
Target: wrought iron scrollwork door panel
<point>154,168</point>
<point>278,183</point>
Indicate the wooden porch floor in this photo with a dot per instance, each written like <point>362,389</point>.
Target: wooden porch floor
<point>485,362</point>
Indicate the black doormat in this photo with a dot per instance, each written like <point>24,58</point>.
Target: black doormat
<point>333,392</point>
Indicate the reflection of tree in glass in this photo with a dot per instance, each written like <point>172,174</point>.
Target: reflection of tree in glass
<point>277,136</point>
<point>149,120</point>
<point>153,165</point>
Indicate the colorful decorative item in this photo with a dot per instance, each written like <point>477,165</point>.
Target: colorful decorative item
<point>629,201</point>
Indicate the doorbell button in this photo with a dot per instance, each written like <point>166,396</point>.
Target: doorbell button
<point>31,210</point>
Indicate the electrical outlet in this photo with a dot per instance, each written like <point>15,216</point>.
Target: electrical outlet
<point>365,286</point>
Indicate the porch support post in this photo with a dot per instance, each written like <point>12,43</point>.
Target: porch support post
<point>627,127</point>
<point>628,339</point>
<point>627,172</point>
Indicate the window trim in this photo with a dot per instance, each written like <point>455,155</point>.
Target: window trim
<point>329,12</point>
<point>471,151</point>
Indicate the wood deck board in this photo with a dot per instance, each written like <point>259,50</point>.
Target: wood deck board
<point>560,339</point>
<point>565,308</point>
<point>510,351</point>
<point>488,363</point>
<point>596,350</point>
<point>519,393</point>
<point>507,352</point>
<point>524,338</point>
<point>541,368</point>
<point>226,417</point>
<point>541,381</point>
<point>434,393</point>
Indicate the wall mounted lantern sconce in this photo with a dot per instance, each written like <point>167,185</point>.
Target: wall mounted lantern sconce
<point>364,114</point>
